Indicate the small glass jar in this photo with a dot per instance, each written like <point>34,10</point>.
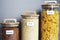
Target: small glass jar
<point>10,30</point>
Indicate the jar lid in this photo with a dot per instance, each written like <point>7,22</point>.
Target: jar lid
<point>29,13</point>
<point>50,4</point>
<point>10,22</point>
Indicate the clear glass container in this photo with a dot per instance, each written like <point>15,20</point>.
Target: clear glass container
<point>30,26</point>
<point>50,21</point>
<point>10,30</point>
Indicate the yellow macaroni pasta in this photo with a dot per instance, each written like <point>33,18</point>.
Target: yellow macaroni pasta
<point>49,25</point>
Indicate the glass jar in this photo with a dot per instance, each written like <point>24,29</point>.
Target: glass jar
<point>50,21</point>
<point>30,26</point>
<point>10,30</point>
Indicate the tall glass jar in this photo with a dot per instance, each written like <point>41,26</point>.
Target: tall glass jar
<point>30,26</point>
<point>50,21</point>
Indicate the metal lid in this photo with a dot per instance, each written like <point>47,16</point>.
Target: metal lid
<point>50,4</point>
<point>29,13</point>
<point>10,22</point>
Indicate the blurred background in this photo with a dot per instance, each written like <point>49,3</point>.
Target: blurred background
<point>14,8</point>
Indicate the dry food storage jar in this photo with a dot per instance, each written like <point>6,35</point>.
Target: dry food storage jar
<point>50,21</point>
<point>10,29</point>
<point>30,26</point>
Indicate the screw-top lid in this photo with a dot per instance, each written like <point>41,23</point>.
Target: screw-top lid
<point>10,23</point>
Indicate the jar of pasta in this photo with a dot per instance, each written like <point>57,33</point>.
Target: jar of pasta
<point>50,21</point>
<point>10,30</point>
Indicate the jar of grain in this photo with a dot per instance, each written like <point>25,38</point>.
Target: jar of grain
<point>10,29</point>
<point>30,25</point>
<point>50,21</point>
